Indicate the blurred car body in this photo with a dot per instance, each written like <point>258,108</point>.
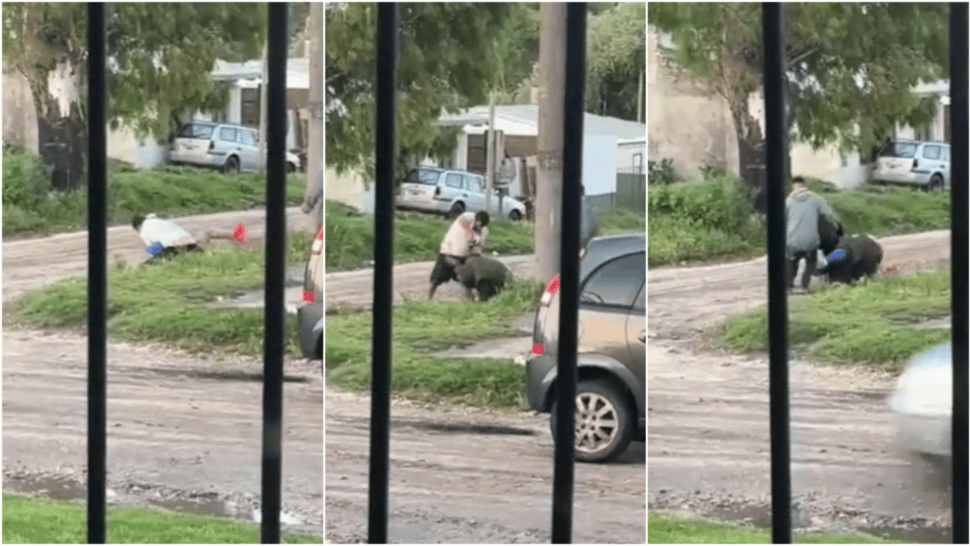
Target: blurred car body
<point>922,404</point>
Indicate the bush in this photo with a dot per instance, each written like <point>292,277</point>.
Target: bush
<point>722,203</point>
<point>25,180</point>
<point>661,172</point>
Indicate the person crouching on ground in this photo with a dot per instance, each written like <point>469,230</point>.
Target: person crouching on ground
<point>465,237</point>
<point>803,209</point>
<point>163,238</point>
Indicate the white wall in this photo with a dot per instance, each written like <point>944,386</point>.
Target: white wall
<point>599,164</point>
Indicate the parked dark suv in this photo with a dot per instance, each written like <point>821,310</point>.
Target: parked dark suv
<point>610,401</point>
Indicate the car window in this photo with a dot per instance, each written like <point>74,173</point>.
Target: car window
<point>616,283</point>
<point>474,183</point>
<point>931,152</point>
<point>195,130</point>
<point>422,176</point>
<point>946,154</point>
<point>899,149</point>
<point>227,134</point>
<point>248,138</point>
<point>641,303</point>
<point>453,180</point>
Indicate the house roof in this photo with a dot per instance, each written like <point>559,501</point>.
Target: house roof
<point>250,73</point>
<point>523,119</point>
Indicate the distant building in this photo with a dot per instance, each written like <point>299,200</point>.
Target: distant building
<point>695,128</point>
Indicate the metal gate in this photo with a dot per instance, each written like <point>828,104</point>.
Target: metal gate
<point>275,311</point>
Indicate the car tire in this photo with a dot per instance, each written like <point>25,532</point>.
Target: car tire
<point>599,397</point>
<point>936,183</point>
<point>457,210</point>
<point>515,216</point>
<point>231,166</point>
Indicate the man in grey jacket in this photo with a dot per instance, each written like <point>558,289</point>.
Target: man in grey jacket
<point>803,209</point>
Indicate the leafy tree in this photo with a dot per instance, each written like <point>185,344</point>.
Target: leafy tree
<point>851,67</point>
<point>615,59</point>
<point>160,57</point>
<point>447,61</point>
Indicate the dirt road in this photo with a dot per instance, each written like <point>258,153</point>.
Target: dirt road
<point>460,475</point>
<point>464,476</point>
<point>184,432</point>
<point>708,415</point>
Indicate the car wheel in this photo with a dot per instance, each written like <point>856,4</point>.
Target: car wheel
<point>232,165</point>
<point>604,427</point>
<point>290,168</point>
<point>515,216</point>
<point>936,183</point>
<point>457,210</point>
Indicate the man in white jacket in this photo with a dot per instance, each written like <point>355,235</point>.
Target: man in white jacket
<point>163,238</point>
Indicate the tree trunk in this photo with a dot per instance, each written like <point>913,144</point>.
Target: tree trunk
<point>61,140</point>
<point>751,143</point>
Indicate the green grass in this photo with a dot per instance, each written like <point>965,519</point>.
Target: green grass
<point>697,222</point>
<point>31,208</point>
<point>417,236</point>
<point>420,329</point>
<point>666,529</point>
<point>169,302</point>
<point>875,324</point>
<point>36,521</point>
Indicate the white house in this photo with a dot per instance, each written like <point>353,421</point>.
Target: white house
<point>517,127</point>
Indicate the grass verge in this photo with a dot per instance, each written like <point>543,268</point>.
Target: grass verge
<point>422,328</point>
<point>37,521</point>
<point>879,323</point>
<point>172,301</point>
<point>693,222</point>
<point>417,236</point>
<point>31,208</point>
<point>666,529</point>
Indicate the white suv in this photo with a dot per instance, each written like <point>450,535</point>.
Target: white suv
<point>225,146</point>
<point>925,164</point>
<point>452,192</point>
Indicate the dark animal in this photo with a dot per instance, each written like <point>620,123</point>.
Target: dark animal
<point>828,234</point>
<point>484,275</point>
<point>859,257</point>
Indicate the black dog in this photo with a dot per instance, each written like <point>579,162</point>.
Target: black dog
<point>485,275</point>
<point>852,258</point>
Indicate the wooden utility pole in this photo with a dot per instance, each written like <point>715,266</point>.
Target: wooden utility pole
<point>315,130</point>
<point>548,200</point>
<point>490,155</point>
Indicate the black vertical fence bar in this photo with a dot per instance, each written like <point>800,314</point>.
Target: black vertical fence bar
<point>275,310</point>
<point>97,273</point>
<point>572,176</point>
<point>777,152</point>
<point>958,267</point>
<point>380,427</point>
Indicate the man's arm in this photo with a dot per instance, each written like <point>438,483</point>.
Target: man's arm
<point>825,210</point>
